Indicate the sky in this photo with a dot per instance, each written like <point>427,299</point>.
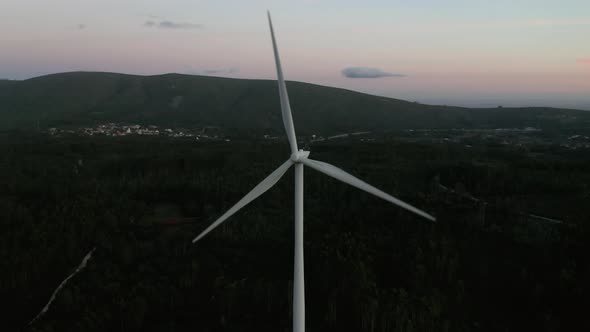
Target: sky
<point>476,53</point>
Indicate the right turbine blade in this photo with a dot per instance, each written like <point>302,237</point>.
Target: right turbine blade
<point>260,189</point>
<point>341,175</point>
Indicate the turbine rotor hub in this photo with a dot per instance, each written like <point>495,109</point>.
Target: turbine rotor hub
<point>299,156</point>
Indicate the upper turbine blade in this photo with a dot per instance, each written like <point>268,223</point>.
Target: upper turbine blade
<point>341,175</point>
<point>260,189</point>
<point>285,107</point>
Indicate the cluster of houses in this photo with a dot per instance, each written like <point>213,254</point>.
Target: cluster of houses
<point>116,129</point>
<point>575,142</point>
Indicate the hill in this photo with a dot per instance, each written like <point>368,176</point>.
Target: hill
<point>83,98</point>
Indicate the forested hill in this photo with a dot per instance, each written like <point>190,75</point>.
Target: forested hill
<point>83,98</point>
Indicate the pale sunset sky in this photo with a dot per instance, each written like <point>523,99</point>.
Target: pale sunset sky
<point>455,52</point>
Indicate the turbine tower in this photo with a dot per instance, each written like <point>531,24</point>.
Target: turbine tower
<point>299,158</point>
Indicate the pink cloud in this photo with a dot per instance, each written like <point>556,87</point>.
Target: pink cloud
<point>555,22</point>
<point>586,61</point>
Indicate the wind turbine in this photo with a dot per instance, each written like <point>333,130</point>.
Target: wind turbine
<point>300,158</point>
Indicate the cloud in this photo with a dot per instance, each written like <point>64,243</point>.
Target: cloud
<point>172,25</point>
<point>477,24</point>
<point>207,72</point>
<point>585,61</point>
<point>79,26</point>
<point>366,72</point>
<point>556,22</point>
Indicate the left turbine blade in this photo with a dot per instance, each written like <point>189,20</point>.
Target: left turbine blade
<point>285,107</point>
<point>341,175</point>
<point>260,189</point>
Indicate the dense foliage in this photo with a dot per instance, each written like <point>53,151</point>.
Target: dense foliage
<point>485,266</point>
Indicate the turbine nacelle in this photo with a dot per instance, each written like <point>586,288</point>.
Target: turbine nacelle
<point>299,156</point>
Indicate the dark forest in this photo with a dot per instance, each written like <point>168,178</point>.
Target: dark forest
<point>509,251</point>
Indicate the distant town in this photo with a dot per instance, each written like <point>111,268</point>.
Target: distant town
<point>517,137</point>
<point>118,129</point>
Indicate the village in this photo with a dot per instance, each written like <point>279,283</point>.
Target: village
<point>118,129</point>
<point>517,137</point>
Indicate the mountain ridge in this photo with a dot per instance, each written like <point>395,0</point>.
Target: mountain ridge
<point>85,98</point>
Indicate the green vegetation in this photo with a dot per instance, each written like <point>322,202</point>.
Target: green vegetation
<point>79,98</point>
<point>369,266</point>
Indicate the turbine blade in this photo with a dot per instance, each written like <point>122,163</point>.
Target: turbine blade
<point>285,107</point>
<point>341,175</point>
<point>260,189</point>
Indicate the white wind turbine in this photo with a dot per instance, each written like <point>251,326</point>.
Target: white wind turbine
<point>299,158</point>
